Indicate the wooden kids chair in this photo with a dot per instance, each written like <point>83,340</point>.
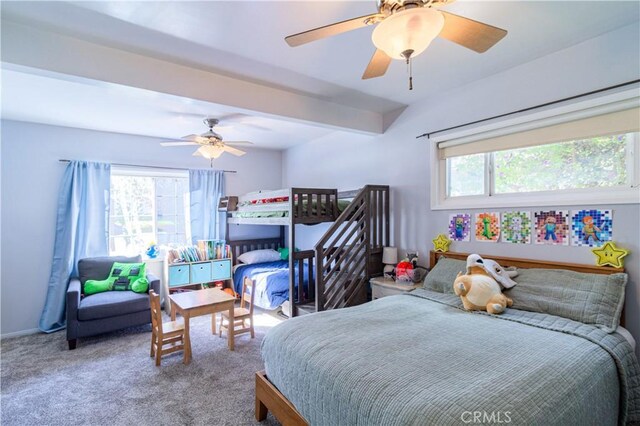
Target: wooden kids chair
<point>168,333</point>
<point>240,315</point>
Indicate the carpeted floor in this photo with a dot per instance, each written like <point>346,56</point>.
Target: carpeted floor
<point>111,380</point>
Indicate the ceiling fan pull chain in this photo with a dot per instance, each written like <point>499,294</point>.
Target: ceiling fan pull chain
<point>410,71</point>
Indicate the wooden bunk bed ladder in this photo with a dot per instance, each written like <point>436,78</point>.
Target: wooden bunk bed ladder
<point>350,252</point>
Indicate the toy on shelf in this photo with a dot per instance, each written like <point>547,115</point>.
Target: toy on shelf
<point>152,250</point>
<point>610,255</point>
<point>408,271</point>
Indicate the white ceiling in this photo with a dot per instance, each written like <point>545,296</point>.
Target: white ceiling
<point>86,104</point>
<point>245,39</point>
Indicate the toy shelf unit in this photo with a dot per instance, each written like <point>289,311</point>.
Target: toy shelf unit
<point>209,262</point>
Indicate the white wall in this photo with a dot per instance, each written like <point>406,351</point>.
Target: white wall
<point>30,181</point>
<point>397,158</point>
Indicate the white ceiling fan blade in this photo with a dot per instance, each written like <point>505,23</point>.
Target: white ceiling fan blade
<point>244,120</point>
<point>233,151</point>
<point>177,143</point>
<point>191,138</point>
<point>238,143</point>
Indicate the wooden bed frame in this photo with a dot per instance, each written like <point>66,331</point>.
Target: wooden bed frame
<point>269,398</point>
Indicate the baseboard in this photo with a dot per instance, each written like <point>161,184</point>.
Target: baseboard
<point>20,333</point>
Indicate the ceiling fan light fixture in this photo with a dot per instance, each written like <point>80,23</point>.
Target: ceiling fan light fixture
<point>209,152</point>
<point>409,30</point>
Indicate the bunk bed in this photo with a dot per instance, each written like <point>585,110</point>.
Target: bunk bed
<point>336,271</point>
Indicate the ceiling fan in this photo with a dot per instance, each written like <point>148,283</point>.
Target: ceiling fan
<point>405,28</point>
<point>211,144</point>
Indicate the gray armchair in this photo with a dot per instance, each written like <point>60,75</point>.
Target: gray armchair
<point>108,311</point>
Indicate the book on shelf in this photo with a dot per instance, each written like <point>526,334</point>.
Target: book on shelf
<point>215,249</point>
<point>205,250</point>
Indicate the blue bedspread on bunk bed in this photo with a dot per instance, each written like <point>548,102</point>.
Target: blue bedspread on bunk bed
<point>272,282</point>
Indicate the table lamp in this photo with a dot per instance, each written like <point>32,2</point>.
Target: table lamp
<point>390,259</point>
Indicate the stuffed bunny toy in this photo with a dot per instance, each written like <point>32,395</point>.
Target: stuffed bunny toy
<point>480,288</point>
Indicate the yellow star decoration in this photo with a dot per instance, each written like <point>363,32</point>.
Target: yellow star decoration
<point>609,254</point>
<point>441,243</point>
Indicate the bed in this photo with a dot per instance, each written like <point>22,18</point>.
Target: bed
<point>274,207</point>
<point>420,358</point>
<point>337,268</point>
<point>271,281</point>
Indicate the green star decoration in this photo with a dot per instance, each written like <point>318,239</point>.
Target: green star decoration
<point>441,243</point>
<point>610,255</point>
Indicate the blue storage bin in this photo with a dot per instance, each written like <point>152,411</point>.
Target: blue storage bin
<point>221,270</point>
<point>178,275</point>
<point>200,272</point>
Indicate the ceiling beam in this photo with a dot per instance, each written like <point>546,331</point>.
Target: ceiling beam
<point>45,50</point>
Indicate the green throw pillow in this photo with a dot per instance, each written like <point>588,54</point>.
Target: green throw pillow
<point>284,253</point>
<point>123,276</point>
<point>98,286</point>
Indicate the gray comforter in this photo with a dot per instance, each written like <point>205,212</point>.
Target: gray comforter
<point>418,359</point>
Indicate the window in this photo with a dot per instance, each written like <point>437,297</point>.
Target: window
<point>591,163</point>
<point>147,208</point>
<point>535,163</point>
<point>466,175</point>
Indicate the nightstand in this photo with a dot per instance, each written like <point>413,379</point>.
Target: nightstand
<point>381,287</point>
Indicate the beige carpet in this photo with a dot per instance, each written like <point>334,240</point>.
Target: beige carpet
<point>111,380</point>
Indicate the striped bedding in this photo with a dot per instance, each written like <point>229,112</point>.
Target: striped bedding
<point>419,359</point>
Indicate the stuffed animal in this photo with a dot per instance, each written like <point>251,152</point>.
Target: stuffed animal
<point>480,289</point>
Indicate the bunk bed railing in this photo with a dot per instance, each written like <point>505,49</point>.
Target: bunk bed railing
<point>314,205</point>
<point>304,267</point>
<point>351,249</point>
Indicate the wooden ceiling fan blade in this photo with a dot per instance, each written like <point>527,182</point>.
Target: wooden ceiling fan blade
<point>238,143</point>
<point>233,151</point>
<point>330,30</point>
<point>378,65</point>
<point>177,143</point>
<point>471,34</point>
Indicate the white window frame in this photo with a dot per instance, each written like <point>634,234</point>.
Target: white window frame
<point>629,194</point>
<point>153,173</point>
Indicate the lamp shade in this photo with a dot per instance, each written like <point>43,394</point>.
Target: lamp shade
<point>412,29</point>
<point>390,255</point>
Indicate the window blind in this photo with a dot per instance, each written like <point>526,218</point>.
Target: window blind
<point>561,128</point>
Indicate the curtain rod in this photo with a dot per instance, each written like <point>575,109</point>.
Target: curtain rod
<point>149,167</point>
<point>628,83</point>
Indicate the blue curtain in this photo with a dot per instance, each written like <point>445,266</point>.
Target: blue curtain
<point>205,188</point>
<point>81,231</point>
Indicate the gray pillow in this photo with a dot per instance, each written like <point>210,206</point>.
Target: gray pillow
<point>589,298</point>
<point>442,276</point>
